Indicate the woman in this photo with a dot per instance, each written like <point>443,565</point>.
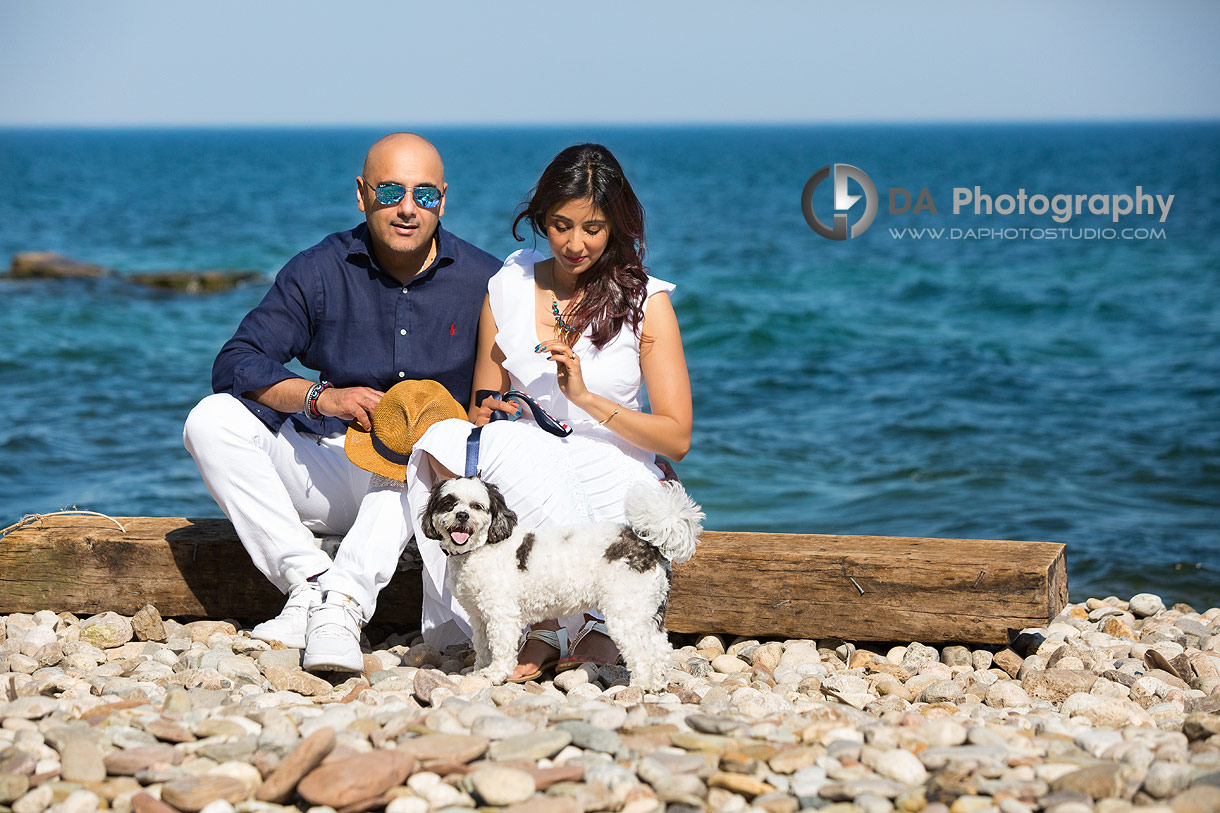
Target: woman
<point>582,332</point>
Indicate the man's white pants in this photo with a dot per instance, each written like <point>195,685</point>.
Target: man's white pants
<point>279,489</point>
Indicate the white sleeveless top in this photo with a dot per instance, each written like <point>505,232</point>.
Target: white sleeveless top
<point>613,371</point>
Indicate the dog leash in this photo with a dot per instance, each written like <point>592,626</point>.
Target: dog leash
<point>472,452</point>
<point>541,417</point>
<point>472,466</point>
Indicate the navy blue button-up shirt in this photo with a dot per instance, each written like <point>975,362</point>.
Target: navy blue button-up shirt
<point>334,309</point>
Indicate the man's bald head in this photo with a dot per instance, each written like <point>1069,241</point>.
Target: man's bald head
<point>401,233</point>
<point>388,149</point>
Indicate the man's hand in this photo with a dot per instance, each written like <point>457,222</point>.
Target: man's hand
<point>350,404</point>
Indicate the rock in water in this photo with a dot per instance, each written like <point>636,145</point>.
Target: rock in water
<point>49,265</point>
<point>195,282</point>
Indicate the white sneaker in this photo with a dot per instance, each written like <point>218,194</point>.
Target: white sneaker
<point>288,628</point>
<point>332,638</point>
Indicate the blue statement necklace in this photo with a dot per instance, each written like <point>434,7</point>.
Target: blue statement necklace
<point>565,330</point>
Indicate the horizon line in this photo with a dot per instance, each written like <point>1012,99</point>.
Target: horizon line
<point>659,124</point>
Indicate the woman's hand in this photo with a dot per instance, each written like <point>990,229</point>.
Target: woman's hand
<point>567,369</point>
<point>483,415</point>
<point>666,430</point>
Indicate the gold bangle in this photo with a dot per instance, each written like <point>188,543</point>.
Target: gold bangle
<point>606,420</point>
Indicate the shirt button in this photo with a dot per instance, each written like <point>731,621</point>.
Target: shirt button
<point>402,332</point>
<point>401,374</point>
<point>404,290</point>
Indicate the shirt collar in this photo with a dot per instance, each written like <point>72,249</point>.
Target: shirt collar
<point>446,248</point>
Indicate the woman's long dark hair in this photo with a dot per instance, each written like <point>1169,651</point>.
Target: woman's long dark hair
<point>613,290</point>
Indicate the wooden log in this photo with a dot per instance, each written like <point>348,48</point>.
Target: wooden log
<point>860,588</point>
<point>183,567</point>
<point>867,588</point>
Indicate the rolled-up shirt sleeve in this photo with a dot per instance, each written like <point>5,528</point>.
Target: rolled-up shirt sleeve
<point>276,331</point>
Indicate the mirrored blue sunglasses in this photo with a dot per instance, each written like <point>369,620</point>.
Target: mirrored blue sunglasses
<point>425,197</point>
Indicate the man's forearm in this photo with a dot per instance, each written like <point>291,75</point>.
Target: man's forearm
<point>283,396</point>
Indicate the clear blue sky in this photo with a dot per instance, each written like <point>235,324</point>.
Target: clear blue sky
<point>401,62</point>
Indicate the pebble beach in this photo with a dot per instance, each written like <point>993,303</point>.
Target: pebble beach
<point>1111,707</point>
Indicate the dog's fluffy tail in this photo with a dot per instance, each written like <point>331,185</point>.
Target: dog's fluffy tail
<point>665,517</point>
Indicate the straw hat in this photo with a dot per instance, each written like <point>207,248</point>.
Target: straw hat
<point>400,419</point>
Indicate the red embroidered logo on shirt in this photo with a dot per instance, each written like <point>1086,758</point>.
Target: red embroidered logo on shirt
<point>452,329</point>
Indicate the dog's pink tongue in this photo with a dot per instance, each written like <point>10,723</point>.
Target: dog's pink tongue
<point>459,537</point>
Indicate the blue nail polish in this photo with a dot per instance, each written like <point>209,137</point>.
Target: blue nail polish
<point>537,348</point>
<point>516,414</point>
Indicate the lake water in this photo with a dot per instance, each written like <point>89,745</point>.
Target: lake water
<point>1065,390</point>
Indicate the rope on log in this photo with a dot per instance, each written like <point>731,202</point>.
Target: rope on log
<point>30,519</point>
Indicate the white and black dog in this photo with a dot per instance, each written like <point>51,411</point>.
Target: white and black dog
<point>507,578</point>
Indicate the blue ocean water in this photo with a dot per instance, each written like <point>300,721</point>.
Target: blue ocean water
<point>1064,390</point>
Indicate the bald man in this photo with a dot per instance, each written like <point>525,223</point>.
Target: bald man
<point>395,298</point>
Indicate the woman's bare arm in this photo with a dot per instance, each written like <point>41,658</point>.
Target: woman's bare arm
<point>666,430</point>
<point>489,371</point>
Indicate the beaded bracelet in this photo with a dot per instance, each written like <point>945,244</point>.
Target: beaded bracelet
<point>311,399</point>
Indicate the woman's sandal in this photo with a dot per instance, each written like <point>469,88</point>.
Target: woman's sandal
<point>556,639</point>
<point>572,662</point>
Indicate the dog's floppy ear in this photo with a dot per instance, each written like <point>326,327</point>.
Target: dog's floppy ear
<point>503,520</point>
<point>425,520</point>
